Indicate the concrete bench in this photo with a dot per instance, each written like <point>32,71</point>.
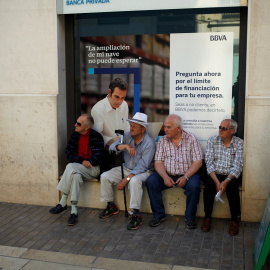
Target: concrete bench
<point>174,200</point>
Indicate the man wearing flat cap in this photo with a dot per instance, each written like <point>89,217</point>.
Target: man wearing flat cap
<point>139,150</point>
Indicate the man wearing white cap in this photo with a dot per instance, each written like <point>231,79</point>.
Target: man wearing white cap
<point>139,150</point>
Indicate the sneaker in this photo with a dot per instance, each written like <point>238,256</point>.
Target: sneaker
<point>72,220</point>
<point>135,222</point>
<point>156,221</point>
<point>234,228</point>
<point>191,224</point>
<point>110,210</point>
<point>206,224</point>
<point>57,209</point>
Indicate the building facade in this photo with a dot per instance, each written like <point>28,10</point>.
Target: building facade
<point>40,101</point>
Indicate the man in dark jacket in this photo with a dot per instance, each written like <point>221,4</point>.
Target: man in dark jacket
<point>85,153</point>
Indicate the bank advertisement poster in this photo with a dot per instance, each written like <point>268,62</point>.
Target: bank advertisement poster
<point>185,74</point>
<point>201,68</point>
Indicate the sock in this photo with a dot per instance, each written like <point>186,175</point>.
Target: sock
<point>63,200</point>
<point>74,209</point>
<point>136,212</point>
<point>111,204</point>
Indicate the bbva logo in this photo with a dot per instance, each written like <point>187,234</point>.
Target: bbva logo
<point>218,37</point>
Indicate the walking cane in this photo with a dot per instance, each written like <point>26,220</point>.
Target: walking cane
<point>121,132</point>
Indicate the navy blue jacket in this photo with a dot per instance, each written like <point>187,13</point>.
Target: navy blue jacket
<point>96,144</point>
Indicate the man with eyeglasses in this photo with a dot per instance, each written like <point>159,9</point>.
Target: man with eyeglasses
<point>224,163</point>
<point>85,154</point>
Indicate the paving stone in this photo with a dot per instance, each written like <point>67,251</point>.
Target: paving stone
<point>214,265</point>
<point>238,265</point>
<point>170,243</point>
<point>11,251</point>
<point>216,252</point>
<point>12,263</point>
<point>226,267</point>
<point>202,262</point>
<point>34,265</point>
<point>190,261</point>
<point>205,253</point>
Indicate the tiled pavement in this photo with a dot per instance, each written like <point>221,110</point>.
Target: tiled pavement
<point>33,228</point>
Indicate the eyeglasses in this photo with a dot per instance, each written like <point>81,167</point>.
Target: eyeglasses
<point>78,123</point>
<point>224,128</point>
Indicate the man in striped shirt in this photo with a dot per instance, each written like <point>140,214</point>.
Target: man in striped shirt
<point>177,161</point>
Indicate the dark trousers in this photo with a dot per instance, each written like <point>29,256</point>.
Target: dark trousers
<point>232,192</point>
<point>155,185</point>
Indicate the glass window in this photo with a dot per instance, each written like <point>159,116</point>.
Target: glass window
<point>146,36</point>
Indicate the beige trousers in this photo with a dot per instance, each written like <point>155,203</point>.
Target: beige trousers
<point>114,176</point>
<point>73,177</point>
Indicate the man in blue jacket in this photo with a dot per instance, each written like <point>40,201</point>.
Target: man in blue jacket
<point>84,152</point>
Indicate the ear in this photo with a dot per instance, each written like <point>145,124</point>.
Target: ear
<point>110,92</point>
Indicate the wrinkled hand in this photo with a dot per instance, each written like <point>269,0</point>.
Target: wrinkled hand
<point>131,150</point>
<point>122,184</point>
<point>218,188</point>
<point>181,182</point>
<point>223,186</point>
<point>169,182</point>
<point>87,164</point>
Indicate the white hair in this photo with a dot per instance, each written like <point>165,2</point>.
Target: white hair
<point>178,122</point>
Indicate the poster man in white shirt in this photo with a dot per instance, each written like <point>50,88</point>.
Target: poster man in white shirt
<point>111,113</point>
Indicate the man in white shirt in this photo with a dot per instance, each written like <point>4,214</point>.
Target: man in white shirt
<point>111,114</point>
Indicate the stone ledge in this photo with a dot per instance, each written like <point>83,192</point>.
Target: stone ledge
<point>174,200</point>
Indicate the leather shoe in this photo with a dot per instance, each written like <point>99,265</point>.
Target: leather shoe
<point>234,228</point>
<point>206,224</point>
<point>72,220</point>
<point>57,209</point>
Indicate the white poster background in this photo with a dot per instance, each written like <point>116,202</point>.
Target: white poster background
<point>201,81</point>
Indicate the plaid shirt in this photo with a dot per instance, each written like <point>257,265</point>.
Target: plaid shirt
<point>224,160</point>
<point>178,159</point>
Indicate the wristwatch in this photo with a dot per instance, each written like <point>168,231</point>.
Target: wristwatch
<point>186,177</point>
<point>128,178</point>
<point>228,178</point>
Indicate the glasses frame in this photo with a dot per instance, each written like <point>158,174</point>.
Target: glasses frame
<point>224,128</point>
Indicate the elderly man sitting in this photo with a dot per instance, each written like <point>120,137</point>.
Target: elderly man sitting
<point>139,150</point>
<point>177,161</point>
<point>85,154</point>
<point>224,163</point>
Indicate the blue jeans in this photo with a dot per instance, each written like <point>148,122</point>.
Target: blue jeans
<point>155,185</point>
